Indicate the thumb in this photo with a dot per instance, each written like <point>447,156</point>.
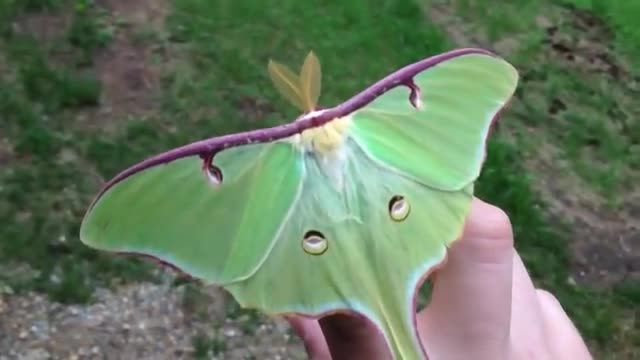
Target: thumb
<point>471,299</point>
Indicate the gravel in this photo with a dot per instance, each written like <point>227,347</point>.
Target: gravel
<point>141,321</point>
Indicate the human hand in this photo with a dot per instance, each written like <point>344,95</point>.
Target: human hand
<point>483,306</point>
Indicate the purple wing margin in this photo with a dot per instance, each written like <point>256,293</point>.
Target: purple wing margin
<point>207,148</point>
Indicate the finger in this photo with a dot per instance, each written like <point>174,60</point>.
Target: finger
<point>528,334</point>
<point>354,337</point>
<point>309,331</point>
<point>471,298</point>
<point>563,338</point>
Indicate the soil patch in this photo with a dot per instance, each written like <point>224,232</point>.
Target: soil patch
<point>46,26</point>
<point>129,79</point>
<point>605,242</point>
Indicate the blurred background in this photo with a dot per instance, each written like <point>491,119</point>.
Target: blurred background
<point>90,87</point>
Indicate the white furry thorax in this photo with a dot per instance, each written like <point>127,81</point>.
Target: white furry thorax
<point>323,140</point>
<point>326,145</point>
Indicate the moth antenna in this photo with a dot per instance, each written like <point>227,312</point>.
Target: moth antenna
<point>287,83</point>
<point>310,81</point>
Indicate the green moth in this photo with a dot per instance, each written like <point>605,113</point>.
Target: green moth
<point>346,208</point>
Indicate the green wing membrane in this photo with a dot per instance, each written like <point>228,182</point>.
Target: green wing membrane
<point>373,263</point>
<point>441,143</point>
<point>218,233</point>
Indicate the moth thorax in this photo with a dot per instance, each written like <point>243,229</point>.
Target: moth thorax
<point>325,139</point>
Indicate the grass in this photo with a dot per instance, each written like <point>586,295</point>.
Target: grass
<point>45,190</point>
<point>218,84</point>
<point>585,106</point>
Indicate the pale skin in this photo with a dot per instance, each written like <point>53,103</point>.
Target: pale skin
<point>484,306</point>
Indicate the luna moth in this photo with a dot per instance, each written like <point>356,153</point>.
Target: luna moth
<point>346,208</point>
